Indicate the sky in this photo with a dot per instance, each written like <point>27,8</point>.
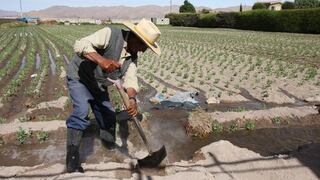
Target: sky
<point>28,5</point>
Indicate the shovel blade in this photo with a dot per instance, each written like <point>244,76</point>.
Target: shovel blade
<point>153,159</point>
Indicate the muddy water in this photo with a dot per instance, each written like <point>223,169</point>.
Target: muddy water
<point>53,63</point>
<point>23,64</point>
<point>53,150</point>
<point>66,59</point>
<point>38,61</point>
<point>167,127</point>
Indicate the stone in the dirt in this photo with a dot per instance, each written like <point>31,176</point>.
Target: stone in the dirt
<point>313,99</point>
<point>157,98</point>
<point>60,103</point>
<point>318,107</point>
<point>29,104</point>
<point>212,100</point>
<point>199,124</point>
<point>34,75</point>
<point>63,73</point>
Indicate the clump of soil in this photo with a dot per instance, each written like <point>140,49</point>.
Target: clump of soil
<point>199,124</point>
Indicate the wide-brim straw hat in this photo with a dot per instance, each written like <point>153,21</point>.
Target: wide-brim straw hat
<point>147,32</point>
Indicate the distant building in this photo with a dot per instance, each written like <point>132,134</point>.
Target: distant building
<point>120,21</point>
<point>161,21</point>
<point>74,21</point>
<point>90,21</point>
<point>275,6</point>
<point>29,20</point>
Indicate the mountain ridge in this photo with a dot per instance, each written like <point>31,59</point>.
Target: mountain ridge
<point>112,12</point>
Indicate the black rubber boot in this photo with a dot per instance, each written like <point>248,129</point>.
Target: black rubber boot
<point>73,163</point>
<point>73,158</point>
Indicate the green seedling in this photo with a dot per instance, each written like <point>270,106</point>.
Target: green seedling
<point>23,119</point>
<point>217,127</point>
<point>23,135</point>
<point>164,90</point>
<point>192,79</point>
<point>42,136</point>
<point>233,126</point>
<point>250,125</point>
<point>276,120</point>
<point>1,141</point>
<point>238,109</point>
<point>2,120</point>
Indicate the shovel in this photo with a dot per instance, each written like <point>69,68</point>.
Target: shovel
<point>154,158</point>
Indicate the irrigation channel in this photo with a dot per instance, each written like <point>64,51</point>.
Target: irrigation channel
<point>167,126</point>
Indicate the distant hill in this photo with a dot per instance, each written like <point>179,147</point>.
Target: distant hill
<point>103,12</point>
<point>4,13</point>
<point>113,12</point>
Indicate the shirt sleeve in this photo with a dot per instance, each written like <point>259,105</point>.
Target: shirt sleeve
<point>97,40</point>
<point>130,78</point>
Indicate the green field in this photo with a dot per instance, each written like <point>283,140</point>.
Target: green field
<point>262,86</point>
<point>218,62</point>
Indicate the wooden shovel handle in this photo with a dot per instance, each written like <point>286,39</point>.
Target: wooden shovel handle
<point>125,98</point>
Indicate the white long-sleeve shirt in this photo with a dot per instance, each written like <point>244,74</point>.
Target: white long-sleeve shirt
<point>100,40</point>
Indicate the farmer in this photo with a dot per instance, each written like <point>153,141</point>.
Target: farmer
<point>109,52</point>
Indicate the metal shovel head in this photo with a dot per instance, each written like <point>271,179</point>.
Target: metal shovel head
<point>153,159</point>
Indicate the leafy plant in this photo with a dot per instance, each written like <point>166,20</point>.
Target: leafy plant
<point>276,120</point>
<point>311,73</point>
<point>2,120</point>
<point>265,93</point>
<point>42,136</point>
<point>24,119</point>
<point>185,76</point>
<point>192,79</point>
<point>1,141</point>
<point>233,126</point>
<point>250,125</point>
<point>23,135</point>
<point>217,127</point>
<point>165,90</point>
<point>238,109</point>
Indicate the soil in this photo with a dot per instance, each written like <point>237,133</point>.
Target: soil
<point>18,100</point>
<point>288,150</point>
<point>3,63</point>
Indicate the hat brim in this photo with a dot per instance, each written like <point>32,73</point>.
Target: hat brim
<point>154,47</point>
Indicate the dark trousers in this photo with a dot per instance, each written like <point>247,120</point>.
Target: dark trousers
<point>82,100</point>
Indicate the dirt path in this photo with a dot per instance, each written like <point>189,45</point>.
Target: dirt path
<point>219,160</point>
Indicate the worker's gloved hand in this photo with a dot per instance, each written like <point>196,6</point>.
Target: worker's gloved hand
<point>123,116</point>
<point>109,65</point>
<point>132,109</point>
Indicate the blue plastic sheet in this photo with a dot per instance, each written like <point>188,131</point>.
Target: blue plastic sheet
<point>184,100</point>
